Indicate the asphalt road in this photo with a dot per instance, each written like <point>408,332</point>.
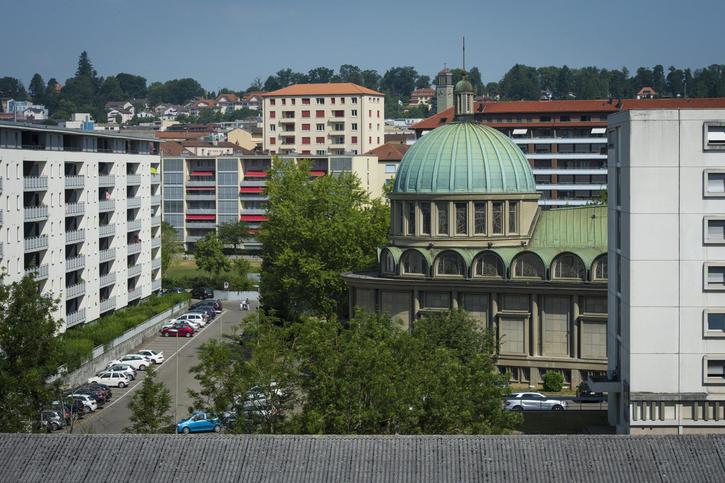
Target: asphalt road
<point>180,355</point>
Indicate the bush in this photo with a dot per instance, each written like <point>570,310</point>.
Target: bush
<point>553,381</point>
<point>77,343</point>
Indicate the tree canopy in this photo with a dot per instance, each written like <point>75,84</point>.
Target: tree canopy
<point>209,255</point>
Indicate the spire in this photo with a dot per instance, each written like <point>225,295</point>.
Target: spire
<point>463,93</point>
<point>464,55</point>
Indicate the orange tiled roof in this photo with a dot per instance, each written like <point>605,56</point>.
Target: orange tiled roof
<point>173,148</point>
<point>339,88</point>
<point>229,96</point>
<point>389,151</point>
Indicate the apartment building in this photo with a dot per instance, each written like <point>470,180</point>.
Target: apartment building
<point>81,212</point>
<point>666,329</point>
<point>564,141</point>
<point>323,119</point>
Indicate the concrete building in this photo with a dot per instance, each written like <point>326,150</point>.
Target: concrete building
<point>667,288</point>
<point>467,232</point>
<point>81,212</point>
<point>323,119</point>
<point>444,90</point>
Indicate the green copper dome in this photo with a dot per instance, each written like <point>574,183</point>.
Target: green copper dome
<point>463,86</point>
<point>464,157</point>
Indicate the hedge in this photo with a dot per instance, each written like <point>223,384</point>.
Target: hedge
<point>77,343</point>
<point>217,283</point>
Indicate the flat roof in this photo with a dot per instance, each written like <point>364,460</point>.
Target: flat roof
<point>26,126</point>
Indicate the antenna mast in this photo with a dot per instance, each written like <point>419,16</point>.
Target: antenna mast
<point>464,53</point>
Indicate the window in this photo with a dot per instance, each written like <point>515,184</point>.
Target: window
<point>353,140</point>
<point>388,265</point>
<point>305,140</point>
<point>353,112</point>
<point>305,100</point>
<point>436,300</point>
<point>272,127</point>
<point>449,264</point>
<point>488,265</point>
<point>353,100</point>
<point>528,265</point>
<point>391,168</point>
<point>714,370</point>
<point>479,217</point>
<point>714,230</point>
<point>564,118</point>
<point>442,209</point>
<point>320,101</point>
<point>513,217</point>
<point>353,126</point>
<point>497,217</point>
<point>545,119</point>
<point>370,113</point>
<point>600,271</point>
<point>332,100</point>
<point>424,212</point>
<point>714,323</point>
<point>378,114</point>
<point>272,114</point>
<point>284,102</point>
<point>569,266</point>
<point>292,101</point>
<point>305,113</point>
<point>272,102</point>
<point>714,277</point>
<point>272,141</point>
<point>413,263</point>
<point>410,206</point>
<point>305,127</point>
<point>319,113</point>
<point>320,140</point>
<point>714,183</point>
<point>320,127</point>
<point>461,218</point>
<point>714,136</point>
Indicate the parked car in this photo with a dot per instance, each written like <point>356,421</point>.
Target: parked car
<point>533,401</point>
<point>88,402</point>
<point>199,422</point>
<point>111,378</point>
<point>64,409</point>
<point>215,304</point>
<point>100,392</point>
<point>194,325</point>
<point>196,318</point>
<point>137,361</point>
<point>202,293</point>
<point>123,368</point>
<point>52,420</point>
<point>95,394</point>
<point>177,330</point>
<point>164,291</point>
<point>207,311</point>
<point>72,407</point>
<point>586,395</point>
<point>157,357</point>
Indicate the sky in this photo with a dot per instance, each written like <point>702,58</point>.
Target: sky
<point>227,43</point>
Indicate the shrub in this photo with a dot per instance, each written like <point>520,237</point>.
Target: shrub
<point>553,381</point>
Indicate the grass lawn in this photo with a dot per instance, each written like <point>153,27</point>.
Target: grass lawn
<point>186,268</point>
<point>565,422</point>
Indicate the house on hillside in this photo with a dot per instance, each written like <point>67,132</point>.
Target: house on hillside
<point>646,93</point>
<point>423,96</point>
<point>228,102</point>
<point>252,100</point>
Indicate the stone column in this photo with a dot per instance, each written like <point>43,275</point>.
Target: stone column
<point>575,326</point>
<point>535,344</point>
<point>454,299</point>
<point>494,313</point>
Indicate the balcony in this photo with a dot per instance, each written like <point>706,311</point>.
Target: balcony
<point>252,197</point>
<point>195,196</point>
<point>106,255</point>
<point>75,263</point>
<point>202,225</point>
<point>1,185</point>
<point>155,178</point>
<point>211,183</point>
<point>134,248</point>
<point>201,211</point>
<point>193,238</point>
<point>106,205</point>
<point>156,284</point>
<point>75,318</point>
<point>108,304</point>
<point>75,182</point>
<point>36,213</point>
<point>134,293</point>
<point>134,270</point>
<point>253,211</point>
<point>1,250</point>
<point>155,263</point>
<point>133,179</point>
<point>35,183</point>
<point>107,230</point>
<point>134,225</point>
<point>155,200</point>
<point>107,279</point>
<point>1,217</point>
<point>38,273</point>
<point>156,220</point>
<point>155,242</point>
<point>75,236</point>
<point>260,182</point>
<point>106,181</point>
<point>133,202</point>
<point>75,209</point>
<point>37,243</point>
<point>76,290</point>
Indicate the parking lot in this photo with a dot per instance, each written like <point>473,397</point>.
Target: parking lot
<point>180,355</point>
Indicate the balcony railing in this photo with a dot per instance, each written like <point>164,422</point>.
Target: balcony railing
<point>107,279</point>
<point>36,243</point>
<point>106,255</point>
<point>133,202</point>
<point>134,225</point>
<point>200,196</point>
<point>134,270</point>
<point>155,178</point>
<point>107,180</point>
<point>38,273</point>
<point>155,200</point>
<point>75,236</point>
<point>202,211</point>
<point>35,183</point>
<point>75,208</point>
<point>134,248</point>
<point>204,225</point>
<point>73,182</point>
<point>155,220</point>
<point>201,183</point>
<point>108,304</point>
<point>133,179</point>
<point>134,293</point>
<point>75,263</point>
<point>106,205</point>
<point>75,318</point>
<point>107,230</point>
<point>1,250</point>
<point>76,290</point>
<point>36,213</point>
<point>156,284</point>
<point>253,211</point>
<point>253,183</point>
<point>155,242</point>
<point>1,185</point>
<point>156,263</point>
<point>1,217</point>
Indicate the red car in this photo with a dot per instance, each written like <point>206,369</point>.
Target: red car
<point>178,330</point>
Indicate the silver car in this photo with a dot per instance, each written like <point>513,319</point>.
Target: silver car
<point>533,401</point>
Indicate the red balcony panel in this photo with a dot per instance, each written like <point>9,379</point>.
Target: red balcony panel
<point>202,173</point>
<point>200,217</point>
<point>201,188</point>
<point>256,174</point>
<point>317,172</point>
<point>253,218</point>
<point>251,189</point>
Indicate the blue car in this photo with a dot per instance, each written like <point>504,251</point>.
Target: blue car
<point>199,422</point>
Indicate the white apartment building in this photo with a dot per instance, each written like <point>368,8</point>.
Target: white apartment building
<point>666,330</point>
<point>81,212</point>
<point>323,119</point>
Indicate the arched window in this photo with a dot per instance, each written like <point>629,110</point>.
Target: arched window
<point>569,266</point>
<point>387,262</point>
<point>600,270</point>
<point>488,265</point>
<point>449,264</point>
<point>413,263</point>
<point>528,265</point>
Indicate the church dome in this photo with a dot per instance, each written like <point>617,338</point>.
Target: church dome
<point>464,157</point>
<point>463,86</point>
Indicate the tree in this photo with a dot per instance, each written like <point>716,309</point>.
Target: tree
<point>233,233</point>
<point>209,255</point>
<point>256,85</point>
<point>13,88</point>
<point>316,230</point>
<point>320,75</point>
<point>150,406</point>
<point>85,67</point>
<point>29,352</point>
<point>36,89</point>
<point>659,83</point>
<point>475,77</point>
<point>133,85</point>
<point>351,73</point>
<point>399,81</point>
<point>422,82</point>
<point>170,245</point>
<point>371,79</point>
<point>520,82</point>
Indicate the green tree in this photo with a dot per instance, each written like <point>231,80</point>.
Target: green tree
<point>170,245</point>
<point>209,255</point>
<point>217,375</point>
<point>422,82</point>
<point>476,79</point>
<point>370,79</point>
<point>36,89</point>
<point>520,82</point>
<point>85,67</point>
<point>320,74</point>
<point>13,88</point>
<point>133,85</point>
<point>316,230</point>
<point>233,233</point>
<point>29,353</point>
<point>399,82</point>
<point>351,73</point>
<point>150,406</point>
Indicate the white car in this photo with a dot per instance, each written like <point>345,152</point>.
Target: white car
<point>138,362</point>
<point>157,357</point>
<point>172,322</point>
<point>192,317</point>
<point>110,378</point>
<point>533,401</point>
<point>87,401</point>
<point>129,371</point>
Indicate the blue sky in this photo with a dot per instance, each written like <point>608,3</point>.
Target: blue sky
<point>226,43</point>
